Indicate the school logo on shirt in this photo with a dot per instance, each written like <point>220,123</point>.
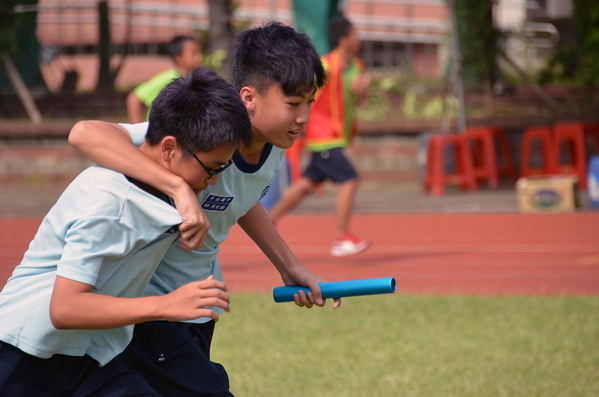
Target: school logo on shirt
<point>265,191</point>
<point>217,203</point>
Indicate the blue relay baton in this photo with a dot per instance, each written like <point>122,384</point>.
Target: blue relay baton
<point>339,289</point>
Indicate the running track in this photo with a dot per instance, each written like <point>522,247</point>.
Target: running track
<point>487,254</point>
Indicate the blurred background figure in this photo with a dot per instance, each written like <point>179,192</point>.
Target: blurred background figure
<point>331,129</point>
<point>186,53</point>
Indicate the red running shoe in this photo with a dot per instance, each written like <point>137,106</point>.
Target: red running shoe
<point>349,245</point>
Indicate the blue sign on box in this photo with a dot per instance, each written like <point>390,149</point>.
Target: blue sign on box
<point>593,181</point>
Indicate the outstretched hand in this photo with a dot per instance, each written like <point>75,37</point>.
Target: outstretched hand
<point>299,275</point>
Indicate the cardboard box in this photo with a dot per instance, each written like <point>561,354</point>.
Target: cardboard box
<point>555,193</point>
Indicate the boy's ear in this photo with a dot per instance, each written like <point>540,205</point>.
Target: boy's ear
<point>248,96</point>
<point>167,147</point>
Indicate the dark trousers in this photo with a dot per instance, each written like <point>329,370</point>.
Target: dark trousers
<point>174,358</point>
<point>24,375</point>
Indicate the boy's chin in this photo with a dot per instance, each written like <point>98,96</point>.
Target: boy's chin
<point>283,142</point>
<point>287,144</point>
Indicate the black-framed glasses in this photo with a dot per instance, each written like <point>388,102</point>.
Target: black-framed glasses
<point>210,171</point>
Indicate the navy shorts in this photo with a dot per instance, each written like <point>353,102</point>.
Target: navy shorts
<point>174,358</point>
<point>24,375</point>
<point>330,164</point>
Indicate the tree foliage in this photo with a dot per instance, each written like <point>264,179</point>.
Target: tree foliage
<point>17,39</point>
<point>9,24</point>
<point>578,60</point>
<point>478,40</point>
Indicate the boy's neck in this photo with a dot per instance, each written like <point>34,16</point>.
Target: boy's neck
<point>147,188</point>
<point>345,56</point>
<point>180,70</point>
<point>252,154</point>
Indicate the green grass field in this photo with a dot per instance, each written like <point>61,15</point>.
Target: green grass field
<point>412,345</point>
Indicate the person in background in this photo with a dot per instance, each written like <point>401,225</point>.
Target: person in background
<point>186,53</point>
<point>331,129</point>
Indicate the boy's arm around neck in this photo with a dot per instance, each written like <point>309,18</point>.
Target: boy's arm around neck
<point>109,145</point>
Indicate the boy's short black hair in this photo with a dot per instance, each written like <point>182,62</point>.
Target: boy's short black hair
<point>175,46</point>
<point>202,111</point>
<point>276,54</point>
<point>339,27</point>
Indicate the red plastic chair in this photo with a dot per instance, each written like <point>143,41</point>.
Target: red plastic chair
<point>484,159</point>
<point>436,176</point>
<point>505,164</point>
<point>573,135</point>
<point>544,135</point>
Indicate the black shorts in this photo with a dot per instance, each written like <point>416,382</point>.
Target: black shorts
<point>24,375</point>
<point>330,164</point>
<point>174,358</point>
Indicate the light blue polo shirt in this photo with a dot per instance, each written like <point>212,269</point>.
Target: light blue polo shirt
<point>103,231</point>
<point>239,188</point>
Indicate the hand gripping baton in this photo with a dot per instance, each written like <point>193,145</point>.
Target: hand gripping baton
<point>339,289</point>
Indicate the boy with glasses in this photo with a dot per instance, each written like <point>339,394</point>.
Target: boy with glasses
<point>69,307</point>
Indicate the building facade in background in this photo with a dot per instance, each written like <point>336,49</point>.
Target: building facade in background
<point>401,37</point>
